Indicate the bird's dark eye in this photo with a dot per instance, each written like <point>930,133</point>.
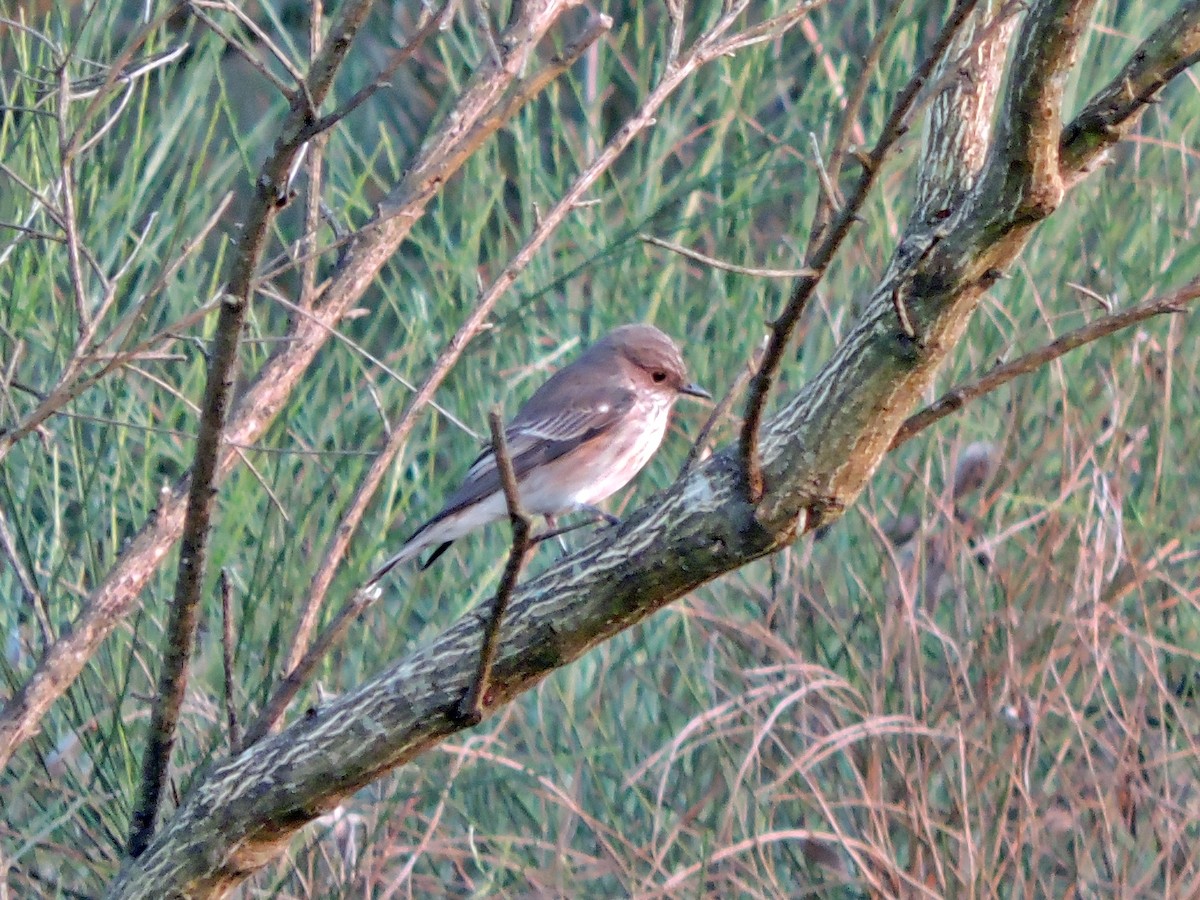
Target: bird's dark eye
<point>659,377</point>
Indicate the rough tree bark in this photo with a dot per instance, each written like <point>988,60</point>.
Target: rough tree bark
<point>980,198</point>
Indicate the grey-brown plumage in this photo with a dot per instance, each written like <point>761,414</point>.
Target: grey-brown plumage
<point>582,436</point>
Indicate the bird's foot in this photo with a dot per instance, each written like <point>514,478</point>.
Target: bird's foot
<point>597,514</point>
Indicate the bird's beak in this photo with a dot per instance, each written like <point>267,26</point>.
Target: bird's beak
<point>694,390</point>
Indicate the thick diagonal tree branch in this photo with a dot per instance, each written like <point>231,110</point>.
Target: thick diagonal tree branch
<point>269,391</point>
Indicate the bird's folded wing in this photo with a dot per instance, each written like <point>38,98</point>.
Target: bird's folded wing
<point>538,436</point>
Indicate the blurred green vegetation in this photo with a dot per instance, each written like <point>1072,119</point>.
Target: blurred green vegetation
<point>811,724</point>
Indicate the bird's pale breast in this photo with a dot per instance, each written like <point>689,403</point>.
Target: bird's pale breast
<point>600,468</point>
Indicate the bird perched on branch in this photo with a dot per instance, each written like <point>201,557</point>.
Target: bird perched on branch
<point>581,437</point>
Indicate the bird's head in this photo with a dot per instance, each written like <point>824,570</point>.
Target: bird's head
<point>653,360</point>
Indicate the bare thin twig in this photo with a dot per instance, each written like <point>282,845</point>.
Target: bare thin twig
<point>25,578</point>
<point>1111,113</point>
<point>92,85</point>
<point>721,264</point>
<point>298,674</point>
<point>70,222</point>
<point>471,707</point>
<point>264,38</point>
<point>315,161</point>
<point>850,126</point>
<point>830,200</point>
<point>559,530</point>
<point>956,399</point>
<point>399,57</point>
<point>118,69</point>
<point>520,93</point>
<point>68,389</point>
<point>721,410</point>
<point>233,43</point>
<point>235,743</point>
<point>43,200</point>
<point>369,357</point>
<point>782,328</point>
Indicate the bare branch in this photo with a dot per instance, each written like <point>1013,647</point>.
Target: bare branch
<point>819,260</point>
<point>269,391</point>
<point>367,91</point>
<point>721,264</point>
<point>36,599</point>
<point>851,108</point>
<point>954,149</point>
<point>263,37</point>
<point>242,50</point>
<point>227,643</point>
<point>721,410</point>
<point>1112,113</point>
<point>954,400</point>
<point>126,74</point>
<point>475,700</point>
<point>315,162</point>
<point>69,387</point>
<point>1030,124</point>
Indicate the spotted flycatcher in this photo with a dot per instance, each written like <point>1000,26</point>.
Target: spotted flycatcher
<point>581,437</point>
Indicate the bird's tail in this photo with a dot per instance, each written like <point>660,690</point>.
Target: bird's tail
<point>411,548</point>
<point>426,535</point>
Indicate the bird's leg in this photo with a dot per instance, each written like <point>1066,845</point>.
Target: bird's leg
<point>552,524</point>
<point>597,514</point>
<point>554,530</point>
